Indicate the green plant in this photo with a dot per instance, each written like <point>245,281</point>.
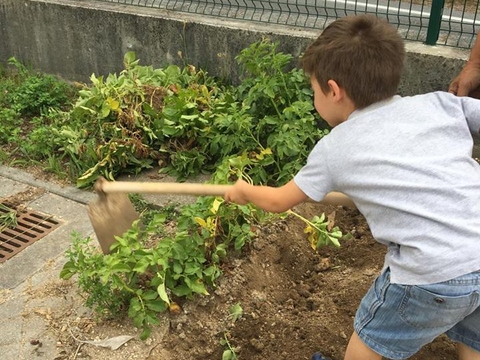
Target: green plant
<point>271,117</point>
<point>8,217</point>
<point>181,118</point>
<point>319,230</point>
<point>144,278</point>
<point>30,103</point>
<point>187,122</point>
<point>148,211</point>
<point>143,115</point>
<point>234,313</point>
<point>10,129</point>
<point>36,92</point>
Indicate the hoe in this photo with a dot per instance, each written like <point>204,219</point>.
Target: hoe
<point>112,213</point>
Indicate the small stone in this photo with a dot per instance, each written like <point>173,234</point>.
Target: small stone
<point>370,272</point>
<point>259,346</point>
<point>323,265</point>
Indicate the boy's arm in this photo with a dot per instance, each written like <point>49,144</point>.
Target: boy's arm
<point>337,198</point>
<point>278,199</point>
<point>271,199</point>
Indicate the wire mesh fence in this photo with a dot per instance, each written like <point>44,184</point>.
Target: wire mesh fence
<point>434,22</point>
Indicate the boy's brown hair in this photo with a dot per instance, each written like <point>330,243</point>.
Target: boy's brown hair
<point>363,54</point>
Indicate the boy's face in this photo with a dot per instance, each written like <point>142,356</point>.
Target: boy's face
<point>324,103</point>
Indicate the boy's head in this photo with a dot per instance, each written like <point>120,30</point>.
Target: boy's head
<point>363,54</point>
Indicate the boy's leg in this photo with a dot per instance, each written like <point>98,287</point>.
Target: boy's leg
<point>397,320</point>
<point>467,353</point>
<point>357,350</point>
<point>466,333</point>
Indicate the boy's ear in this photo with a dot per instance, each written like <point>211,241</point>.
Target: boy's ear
<point>337,92</point>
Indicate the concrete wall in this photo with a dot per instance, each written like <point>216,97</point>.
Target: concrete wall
<point>74,39</point>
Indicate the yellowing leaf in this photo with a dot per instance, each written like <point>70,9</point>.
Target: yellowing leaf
<point>114,104</point>
<point>200,221</point>
<point>312,239</point>
<point>264,152</point>
<point>308,229</point>
<point>216,204</point>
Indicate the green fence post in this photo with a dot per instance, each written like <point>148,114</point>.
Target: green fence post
<point>436,13</point>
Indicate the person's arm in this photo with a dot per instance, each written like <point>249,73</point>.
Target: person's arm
<point>468,81</point>
<point>337,198</point>
<point>271,199</point>
<point>278,199</point>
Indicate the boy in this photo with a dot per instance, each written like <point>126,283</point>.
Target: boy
<point>406,164</point>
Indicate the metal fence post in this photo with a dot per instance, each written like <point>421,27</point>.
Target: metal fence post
<point>434,22</point>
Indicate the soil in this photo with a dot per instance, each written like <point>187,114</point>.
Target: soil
<point>295,301</point>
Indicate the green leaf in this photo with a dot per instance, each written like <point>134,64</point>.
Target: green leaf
<point>163,293</point>
<point>150,295</point>
<point>191,268</point>
<point>68,270</point>
<point>129,57</point>
<point>121,268</point>
<point>104,111</point>
<point>157,306</point>
<point>229,355</point>
<point>135,304</point>
<point>145,333</point>
<point>197,286</point>
<point>235,311</point>
<point>141,266</point>
<point>152,319</point>
<point>177,268</point>
<point>169,130</point>
<point>182,290</point>
<point>210,271</point>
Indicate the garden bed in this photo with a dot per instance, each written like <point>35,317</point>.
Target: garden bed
<point>295,301</point>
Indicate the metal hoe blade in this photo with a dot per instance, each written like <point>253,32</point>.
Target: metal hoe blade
<point>111,215</point>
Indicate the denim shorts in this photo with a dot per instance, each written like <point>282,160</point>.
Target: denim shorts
<point>397,320</point>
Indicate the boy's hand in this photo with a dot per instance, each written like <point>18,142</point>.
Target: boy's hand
<point>238,193</point>
<point>272,199</point>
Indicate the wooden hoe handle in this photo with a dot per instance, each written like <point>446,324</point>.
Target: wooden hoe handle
<point>108,187</point>
<point>161,188</point>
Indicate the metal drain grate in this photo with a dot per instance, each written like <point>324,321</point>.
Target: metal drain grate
<point>31,226</point>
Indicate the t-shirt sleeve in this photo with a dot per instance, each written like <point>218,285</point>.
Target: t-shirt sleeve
<point>471,109</point>
<point>314,179</point>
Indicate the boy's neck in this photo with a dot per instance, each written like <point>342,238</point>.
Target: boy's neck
<point>345,109</point>
<point>373,106</point>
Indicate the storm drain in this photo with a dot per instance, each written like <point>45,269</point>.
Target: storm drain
<point>31,226</point>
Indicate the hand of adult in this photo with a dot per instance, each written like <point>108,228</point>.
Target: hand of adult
<point>467,83</point>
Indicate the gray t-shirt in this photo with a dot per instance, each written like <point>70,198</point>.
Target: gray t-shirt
<point>407,164</point>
